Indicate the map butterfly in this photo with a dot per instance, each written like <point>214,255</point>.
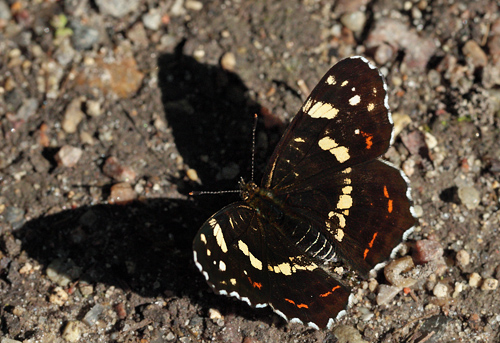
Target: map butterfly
<point>325,197</point>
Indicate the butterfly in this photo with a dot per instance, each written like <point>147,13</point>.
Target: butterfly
<point>324,197</point>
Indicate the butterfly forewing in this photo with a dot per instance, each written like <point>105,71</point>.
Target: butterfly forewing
<point>345,121</point>
<point>324,197</point>
<point>257,264</point>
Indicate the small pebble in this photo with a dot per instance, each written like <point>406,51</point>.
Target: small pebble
<point>474,280</point>
<point>27,110</point>
<point>489,284</point>
<point>427,250</point>
<point>93,108</point>
<point>86,138</point>
<point>58,296</point>
<point>121,193</point>
<point>121,311</point>
<point>372,284</point>
<point>366,314</point>
<point>72,331</point>
<point>459,287</point>
<point>8,340</point>
<point>84,37</point>
<point>475,53</point>
<point>401,121</point>
<point>14,216</point>
<point>72,116</point>
<point>469,196</point>
<point>93,314</point>
<point>348,334</point>
<point>214,314</point>
<point>440,290</point>
<point>383,54</point>
<point>68,156</point>
<point>152,19</point>
<point>434,78</point>
<point>62,272</point>
<point>418,211</point>
<point>117,8</point>
<point>386,293</point>
<point>5,15</point>
<point>430,140</point>
<point>354,21</point>
<point>86,289</point>
<point>462,258</point>
<point>192,175</point>
<point>26,269</point>
<point>228,61</point>
<point>394,270</point>
<point>114,169</point>
<point>194,5</point>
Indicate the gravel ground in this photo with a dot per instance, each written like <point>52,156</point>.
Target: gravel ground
<point>111,112</point>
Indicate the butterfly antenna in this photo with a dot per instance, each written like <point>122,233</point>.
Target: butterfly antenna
<point>253,144</point>
<point>213,192</point>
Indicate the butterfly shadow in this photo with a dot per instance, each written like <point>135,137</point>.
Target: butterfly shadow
<point>146,246</point>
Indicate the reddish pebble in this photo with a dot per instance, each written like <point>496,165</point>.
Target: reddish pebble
<point>114,169</point>
<point>426,251</point>
<point>121,311</point>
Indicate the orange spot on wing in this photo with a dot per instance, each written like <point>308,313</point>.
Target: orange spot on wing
<point>373,239</point>
<point>370,245</point>
<point>386,192</point>
<point>254,284</point>
<point>389,204</point>
<point>368,139</point>
<point>329,292</point>
<point>298,305</point>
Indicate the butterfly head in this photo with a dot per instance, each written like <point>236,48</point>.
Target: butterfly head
<point>248,189</point>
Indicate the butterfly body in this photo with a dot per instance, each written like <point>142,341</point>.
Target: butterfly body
<point>324,197</point>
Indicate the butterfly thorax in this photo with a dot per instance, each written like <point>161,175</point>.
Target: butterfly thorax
<point>263,201</point>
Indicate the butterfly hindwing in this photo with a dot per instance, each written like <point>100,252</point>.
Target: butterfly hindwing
<point>362,211</point>
<point>241,256</point>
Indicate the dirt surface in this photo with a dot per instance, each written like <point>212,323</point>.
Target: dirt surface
<point>102,102</point>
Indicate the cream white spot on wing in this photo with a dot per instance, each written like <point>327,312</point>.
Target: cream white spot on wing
<point>345,202</point>
<point>347,170</point>
<point>307,105</point>
<point>341,153</point>
<point>209,252</point>
<point>370,107</point>
<point>355,100</point>
<point>254,261</point>
<point>322,110</point>
<point>356,132</point>
<point>331,80</point>
<point>222,266</point>
<point>339,235</point>
<point>283,268</point>
<point>219,236</point>
<point>203,238</point>
<point>344,83</point>
<point>233,281</point>
<point>299,140</point>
